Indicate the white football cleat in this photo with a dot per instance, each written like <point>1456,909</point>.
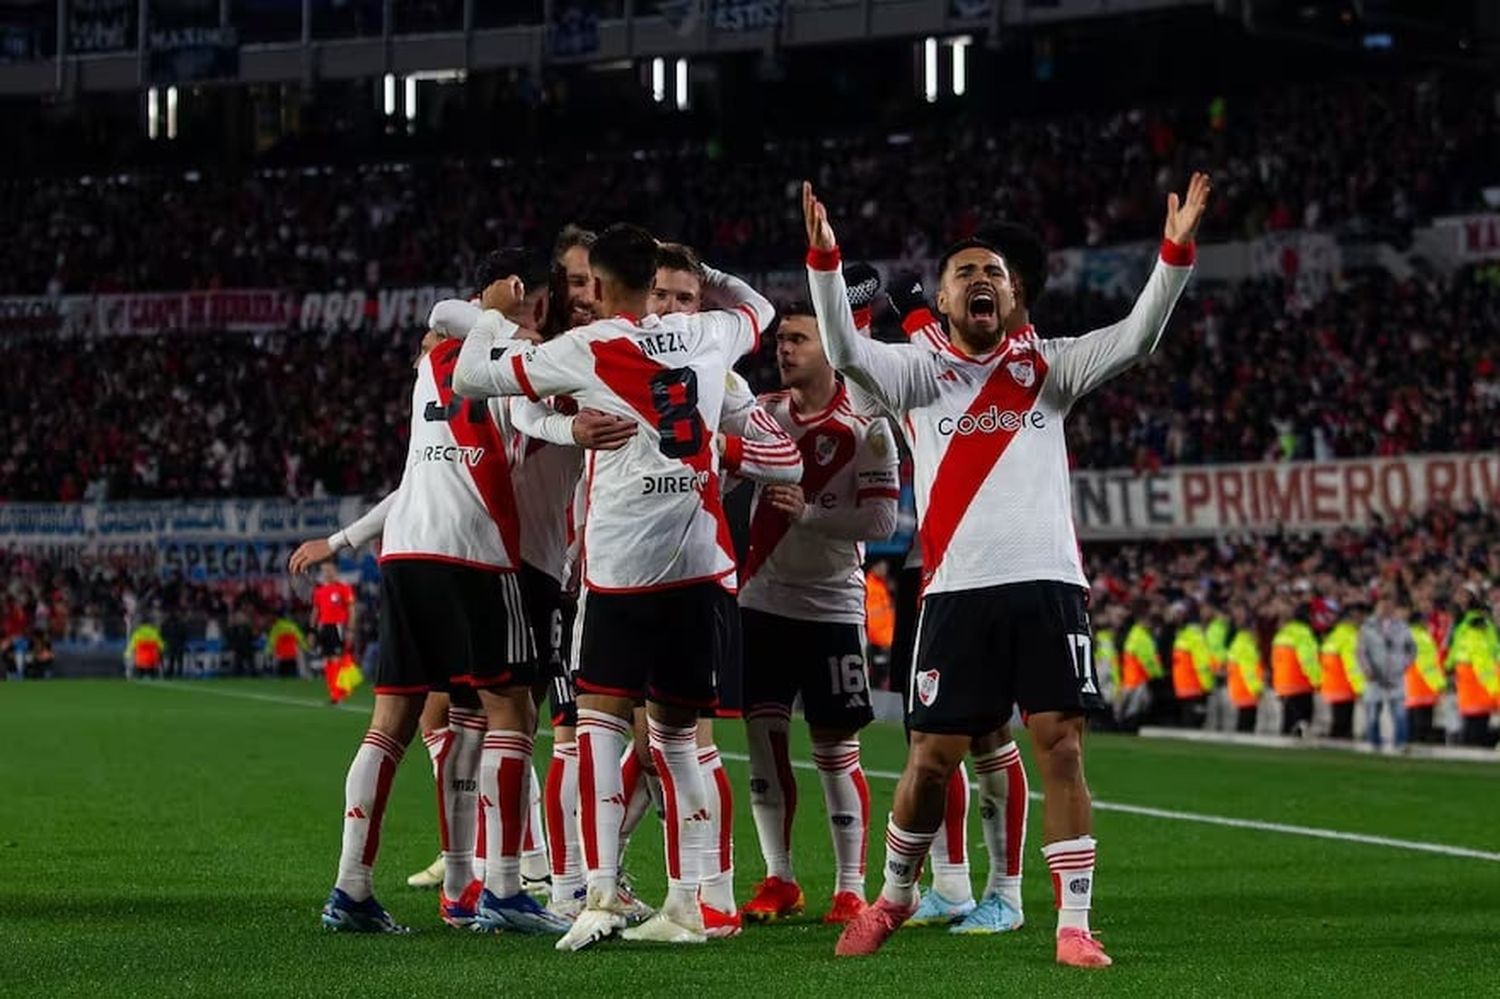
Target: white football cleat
<point>430,876</point>
<point>672,925</point>
<point>590,927</point>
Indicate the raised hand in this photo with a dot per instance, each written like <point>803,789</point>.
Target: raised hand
<point>815,216</point>
<point>1184,215</point>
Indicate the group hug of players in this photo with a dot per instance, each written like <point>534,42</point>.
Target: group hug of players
<point>581,431</point>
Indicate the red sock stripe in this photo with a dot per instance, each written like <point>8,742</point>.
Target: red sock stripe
<point>1070,855</point>
<point>1016,795</point>
<point>385,744</point>
<point>552,802</point>
<point>836,762</point>
<point>472,720</point>
<point>588,802</point>
<point>862,788</point>
<point>674,833</point>
<point>905,846</point>
<point>567,750</point>
<point>517,744</point>
<point>769,711</point>
<point>956,817</point>
<point>631,769</point>
<point>439,765</point>
<point>669,735</point>
<point>726,816</point>
<point>481,838</point>
<point>603,720</point>
<point>512,808</point>
<point>383,778</point>
<point>708,757</point>
<point>781,753</point>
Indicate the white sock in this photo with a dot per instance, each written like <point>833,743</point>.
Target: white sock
<point>904,853</point>
<point>773,788</point>
<point>1071,862</point>
<point>847,797</point>
<point>562,820</point>
<point>366,790</point>
<point>950,854</point>
<point>434,740</point>
<point>1003,803</point>
<point>504,772</point>
<point>718,849</point>
<point>535,865</point>
<point>601,739</point>
<point>675,752</point>
<point>457,768</point>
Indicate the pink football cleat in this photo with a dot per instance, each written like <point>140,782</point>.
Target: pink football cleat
<point>868,931</point>
<point>1079,949</point>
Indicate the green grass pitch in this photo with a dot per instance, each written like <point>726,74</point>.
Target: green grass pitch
<point>180,841</point>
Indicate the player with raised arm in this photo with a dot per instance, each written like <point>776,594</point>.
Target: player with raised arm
<point>450,616</point>
<point>802,607</point>
<point>1004,614</point>
<point>659,571</point>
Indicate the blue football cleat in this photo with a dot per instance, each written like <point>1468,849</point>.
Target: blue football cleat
<point>992,915</point>
<point>344,915</point>
<point>935,910</point>
<point>520,913</point>
<point>460,911</point>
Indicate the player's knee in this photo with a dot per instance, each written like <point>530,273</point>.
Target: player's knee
<point>1063,759</point>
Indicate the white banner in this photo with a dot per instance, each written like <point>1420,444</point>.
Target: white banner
<point>234,538</point>
<point>1473,237</point>
<point>1207,500</point>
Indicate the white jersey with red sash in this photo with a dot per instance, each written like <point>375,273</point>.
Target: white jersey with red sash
<point>456,502</point>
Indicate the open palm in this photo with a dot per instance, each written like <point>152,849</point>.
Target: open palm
<point>1183,215</point>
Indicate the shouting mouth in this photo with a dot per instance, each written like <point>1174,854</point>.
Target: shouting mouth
<point>982,304</point>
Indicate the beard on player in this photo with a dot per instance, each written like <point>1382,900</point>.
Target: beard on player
<point>975,295</point>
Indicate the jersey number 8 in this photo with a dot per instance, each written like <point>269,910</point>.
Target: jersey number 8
<point>674,395</point>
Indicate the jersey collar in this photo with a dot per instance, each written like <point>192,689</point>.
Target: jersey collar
<point>839,395</point>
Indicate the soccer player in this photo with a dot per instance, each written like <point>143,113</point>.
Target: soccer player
<point>451,615</point>
<point>659,568</point>
<point>332,620</point>
<point>1004,618</point>
<point>802,607</point>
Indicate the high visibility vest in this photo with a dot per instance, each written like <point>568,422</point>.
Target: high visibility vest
<point>1472,659</point>
<point>1245,681</point>
<point>880,612</point>
<point>1192,668</point>
<point>145,648</point>
<point>1424,677</point>
<point>1142,661</point>
<point>1294,660</point>
<point>1343,680</point>
<point>1107,656</point>
<point>285,639</point>
<point>1218,634</point>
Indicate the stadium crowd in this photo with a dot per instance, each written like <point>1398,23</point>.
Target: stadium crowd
<point>1080,179</point>
<point>1377,367</point>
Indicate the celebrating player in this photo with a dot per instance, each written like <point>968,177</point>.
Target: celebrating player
<point>450,615</point>
<point>659,569</point>
<point>803,611</point>
<point>1004,618</point>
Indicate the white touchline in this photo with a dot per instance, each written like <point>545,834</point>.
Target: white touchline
<point>1311,832</point>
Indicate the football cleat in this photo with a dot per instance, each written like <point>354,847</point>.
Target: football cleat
<point>344,915</point>
<point>629,904</point>
<point>846,905</point>
<point>992,915</point>
<point>430,876</point>
<point>672,925</point>
<point>1079,949</point>
<point>520,913</point>
<point>595,923</point>
<point>718,924</point>
<point>568,906</point>
<point>774,898</point>
<point>935,910</point>
<point>461,911</point>
<point>867,932</point>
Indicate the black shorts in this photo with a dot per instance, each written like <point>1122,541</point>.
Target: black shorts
<point>730,684</point>
<point>665,645</point>
<point>443,624</point>
<point>979,652</point>
<point>824,661</point>
<point>330,640</point>
<point>550,613</point>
